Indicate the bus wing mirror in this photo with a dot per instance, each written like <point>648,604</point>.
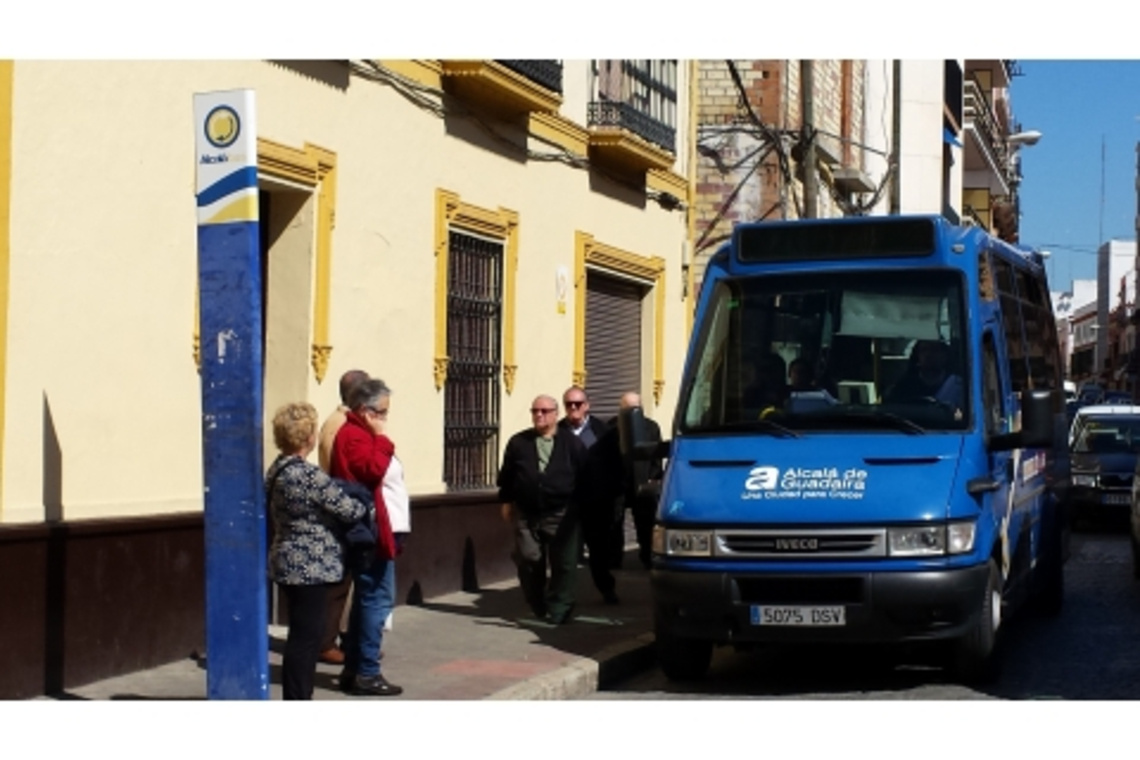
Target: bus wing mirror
<point>1038,417</point>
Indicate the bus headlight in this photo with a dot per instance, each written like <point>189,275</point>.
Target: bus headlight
<point>931,540</point>
<point>674,542</point>
<point>919,541</point>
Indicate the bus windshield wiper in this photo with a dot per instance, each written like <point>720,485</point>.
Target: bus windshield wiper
<point>896,420</point>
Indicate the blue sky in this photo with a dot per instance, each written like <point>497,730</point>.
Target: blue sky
<point>1076,104</point>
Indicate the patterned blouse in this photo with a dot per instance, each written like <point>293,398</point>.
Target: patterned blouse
<point>310,516</point>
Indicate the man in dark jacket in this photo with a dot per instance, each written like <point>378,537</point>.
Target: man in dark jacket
<point>598,505</point>
<point>636,485</point>
<point>540,484</point>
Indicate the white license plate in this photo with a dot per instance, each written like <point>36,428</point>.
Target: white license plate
<point>1115,498</point>
<point>798,616</point>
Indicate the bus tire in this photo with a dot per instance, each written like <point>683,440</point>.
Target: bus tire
<point>974,655</point>
<point>681,659</point>
<point>1135,556</point>
<point>1049,578</point>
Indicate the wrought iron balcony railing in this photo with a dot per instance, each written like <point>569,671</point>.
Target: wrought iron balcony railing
<point>546,74</point>
<point>609,113</point>
<point>977,110</point>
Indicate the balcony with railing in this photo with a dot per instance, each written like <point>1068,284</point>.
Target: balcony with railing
<point>632,113</point>
<point>546,74</point>
<point>988,149</point>
<point>508,88</point>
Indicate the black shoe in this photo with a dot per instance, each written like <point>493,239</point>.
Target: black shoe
<point>376,686</point>
<point>562,619</point>
<point>609,597</point>
<point>344,680</point>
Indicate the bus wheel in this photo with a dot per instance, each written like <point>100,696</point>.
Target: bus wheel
<point>1049,579</point>
<point>680,659</point>
<point>975,659</point>
<point>1135,556</point>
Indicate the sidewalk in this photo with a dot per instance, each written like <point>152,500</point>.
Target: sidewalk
<point>464,646</point>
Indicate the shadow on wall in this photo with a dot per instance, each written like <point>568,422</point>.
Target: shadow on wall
<point>624,186</point>
<point>55,573</point>
<point>333,73</point>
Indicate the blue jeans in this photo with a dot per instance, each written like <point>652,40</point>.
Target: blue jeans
<point>373,596</point>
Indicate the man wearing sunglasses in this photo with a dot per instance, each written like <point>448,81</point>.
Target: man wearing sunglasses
<point>539,485</point>
<point>598,507</point>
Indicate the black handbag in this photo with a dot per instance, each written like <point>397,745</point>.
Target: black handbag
<point>360,538</point>
<point>362,533</point>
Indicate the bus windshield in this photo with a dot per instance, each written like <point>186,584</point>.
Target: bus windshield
<point>869,350</point>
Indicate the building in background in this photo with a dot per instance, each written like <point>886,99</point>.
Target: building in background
<point>1114,260</point>
<point>475,232</point>
<point>1122,335</point>
<point>1081,299</point>
<point>879,136</point>
<point>762,123</point>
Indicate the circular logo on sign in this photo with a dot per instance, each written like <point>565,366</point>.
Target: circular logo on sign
<point>222,126</point>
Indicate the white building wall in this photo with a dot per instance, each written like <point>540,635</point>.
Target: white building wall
<point>878,84</point>
<point>920,149</point>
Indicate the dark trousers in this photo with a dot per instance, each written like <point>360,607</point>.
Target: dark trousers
<point>334,611</point>
<point>541,538</point>
<point>597,535</point>
<point>617,542</point>
<point>307,608</point>
<point>644,516</point>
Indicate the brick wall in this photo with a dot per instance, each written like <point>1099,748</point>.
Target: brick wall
<point>772,88</point>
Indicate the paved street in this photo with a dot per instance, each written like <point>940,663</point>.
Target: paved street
<point>1090,652</point>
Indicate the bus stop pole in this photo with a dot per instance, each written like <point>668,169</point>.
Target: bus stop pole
<point>229,286</point>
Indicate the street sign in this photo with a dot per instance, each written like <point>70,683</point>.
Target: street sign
<point>229,286</point>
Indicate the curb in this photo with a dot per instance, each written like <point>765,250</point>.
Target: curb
<point>586,675</point>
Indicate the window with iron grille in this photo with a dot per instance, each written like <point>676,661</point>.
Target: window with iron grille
<point>474,338</point>
<point>640,96</point>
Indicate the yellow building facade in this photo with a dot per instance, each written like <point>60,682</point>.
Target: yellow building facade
<point>376,177</point>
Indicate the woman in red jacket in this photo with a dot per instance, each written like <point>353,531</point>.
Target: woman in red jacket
<point>362,453</point>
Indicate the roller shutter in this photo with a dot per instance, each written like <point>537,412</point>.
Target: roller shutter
<point>613,341</point>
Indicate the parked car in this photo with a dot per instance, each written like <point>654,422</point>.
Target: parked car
<point>1090,393</point>
<point>1116,397</point>
<point>1104,446</point>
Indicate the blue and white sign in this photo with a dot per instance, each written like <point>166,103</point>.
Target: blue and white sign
<point>226,156</point>
<point>229,287</point>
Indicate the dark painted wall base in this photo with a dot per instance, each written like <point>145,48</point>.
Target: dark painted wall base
<point>81,601</point>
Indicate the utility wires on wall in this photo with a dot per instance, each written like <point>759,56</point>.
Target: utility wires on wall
<point>782,143</point>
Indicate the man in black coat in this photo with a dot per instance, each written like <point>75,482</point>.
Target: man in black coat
<point>598,506</point>
<point>540,483</point>
<point>636,485</point>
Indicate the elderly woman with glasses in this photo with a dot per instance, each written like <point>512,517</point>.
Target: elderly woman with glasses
<point>306,559</point>
<point>540,485</point>
<point>363,453</point>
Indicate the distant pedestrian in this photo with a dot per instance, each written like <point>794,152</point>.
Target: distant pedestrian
<point>539,486</point>
<point>597,508</point>
<point>362,453</point>
<point>306,559</point>
<point>331,653</point>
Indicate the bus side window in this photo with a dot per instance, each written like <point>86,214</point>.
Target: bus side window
<point>991,388</point>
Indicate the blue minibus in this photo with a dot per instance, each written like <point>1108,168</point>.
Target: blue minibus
<point>869,444</point>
